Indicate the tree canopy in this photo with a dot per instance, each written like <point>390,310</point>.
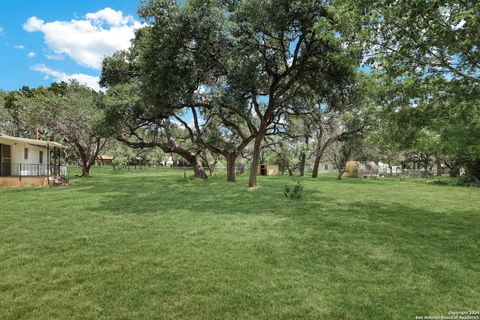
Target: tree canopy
<point>300,82</point>
<point>70,113</point>
<point>247,57</point>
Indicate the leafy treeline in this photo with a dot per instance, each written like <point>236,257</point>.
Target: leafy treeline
<point>300,81</point>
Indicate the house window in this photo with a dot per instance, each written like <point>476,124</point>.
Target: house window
<point>25,153</point>
<point>40,157</point>
<point>5,161</point>
<point>326,167</point>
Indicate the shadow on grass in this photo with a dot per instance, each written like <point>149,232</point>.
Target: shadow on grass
<point>383,219</point>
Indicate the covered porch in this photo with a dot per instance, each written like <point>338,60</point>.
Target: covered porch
<point>29,161</point>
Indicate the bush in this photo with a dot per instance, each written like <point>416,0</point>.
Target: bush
<point>469,181</point>
<point>294,193</point>
<point>463,182</point>
<point>441,182</point>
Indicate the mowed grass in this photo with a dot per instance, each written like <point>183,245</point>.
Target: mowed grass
<point>153,245</point>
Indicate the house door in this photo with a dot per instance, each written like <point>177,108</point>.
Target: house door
<point>5,160</point>
<point>263,170</point>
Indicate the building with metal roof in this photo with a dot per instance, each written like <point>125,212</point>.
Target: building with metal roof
<point>29,161</point>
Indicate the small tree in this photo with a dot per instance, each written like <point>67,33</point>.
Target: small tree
<point>340,152</point>
<point>155,156</point>
<point>122,155</point>
<point>283,155</point>
<point>72,113</point>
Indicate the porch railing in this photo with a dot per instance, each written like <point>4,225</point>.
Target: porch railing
<point>38,170</point>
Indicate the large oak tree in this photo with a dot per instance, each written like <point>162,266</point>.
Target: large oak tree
<point>259,52</point>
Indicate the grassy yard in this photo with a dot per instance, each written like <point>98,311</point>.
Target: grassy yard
<point>153,245</point>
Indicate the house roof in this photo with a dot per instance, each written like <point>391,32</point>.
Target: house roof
<point>105,157</point>
<point>33,142</point>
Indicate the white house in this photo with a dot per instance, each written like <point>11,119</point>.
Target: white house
<point>168,161</point>
<point>385,169</point>
<point>29,161</point>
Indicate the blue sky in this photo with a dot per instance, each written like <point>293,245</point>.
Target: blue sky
<point>65,40</point>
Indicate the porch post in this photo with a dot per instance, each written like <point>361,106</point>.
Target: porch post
<point>59,162</point>
<point>48,161</point>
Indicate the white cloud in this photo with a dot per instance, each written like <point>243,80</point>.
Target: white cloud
<point>110,16</point>
<point>33,24</point>
<point>2,29</point>
<point>31,54</point>
<point>54,57</point>
<point>89,40</point>
<point>89,81</point>
<point>19,46</point>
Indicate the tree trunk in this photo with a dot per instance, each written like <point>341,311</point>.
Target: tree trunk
<point>84,165</point>
<point>340,174</point>
<point>198,171</point>
<point>85,171</point>
<point>439,168</point>
<point>231,158</point>
<point>318,157</point>
<point>426,162</point>
<point>252,182</point>
<point>316,165</point>
<point>192,159</point>
<point>290,172</point>
<point>303,158</point>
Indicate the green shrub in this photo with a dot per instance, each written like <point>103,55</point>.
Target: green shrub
<point>441,182</point>
<point>294,193</point>
<point>468,181</point>
<point>463,182</point>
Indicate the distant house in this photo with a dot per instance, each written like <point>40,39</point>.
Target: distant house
<point>267,169</point>
<point>356,169</point>
<point>174,161</point>
<point>384,169</point>
<point>105,160</point>
<point>29,161</point>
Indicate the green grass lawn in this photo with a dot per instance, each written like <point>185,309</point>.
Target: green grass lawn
<point>153,245</point>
